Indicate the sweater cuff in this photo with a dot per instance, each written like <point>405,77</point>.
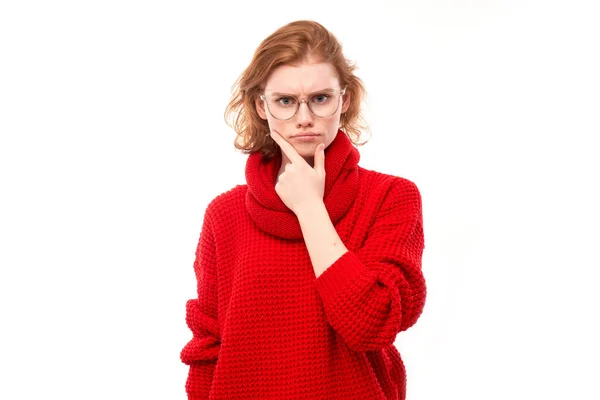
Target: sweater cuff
<point>339,274</point>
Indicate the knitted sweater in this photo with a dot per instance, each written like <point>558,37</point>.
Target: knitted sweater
<point>264,327</point>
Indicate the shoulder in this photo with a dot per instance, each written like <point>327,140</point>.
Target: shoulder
<point>391,184</point>
<point>226,202</point>
<point>394,191</point>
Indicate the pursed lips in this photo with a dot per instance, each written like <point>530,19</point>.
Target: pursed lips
<point>306,134</point>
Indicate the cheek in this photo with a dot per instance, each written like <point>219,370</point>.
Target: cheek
<point>332,123</point>
<point>283,127</point>
<point>275,124</point>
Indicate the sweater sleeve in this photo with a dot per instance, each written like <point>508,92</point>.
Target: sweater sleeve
<point>372,294</point>
<point>201,352</point>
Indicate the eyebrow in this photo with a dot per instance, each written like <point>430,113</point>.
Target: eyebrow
<point>328,90</point>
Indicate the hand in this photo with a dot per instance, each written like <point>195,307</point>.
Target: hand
<point>300,185</point>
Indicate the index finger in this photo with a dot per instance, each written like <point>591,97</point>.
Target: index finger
<point>286,147</point>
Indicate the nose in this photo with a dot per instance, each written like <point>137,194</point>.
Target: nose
<point>305,116</point>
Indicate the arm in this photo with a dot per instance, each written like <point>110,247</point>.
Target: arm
<point>372,294</point>
<point>201,353</point>
<point>322,240</point>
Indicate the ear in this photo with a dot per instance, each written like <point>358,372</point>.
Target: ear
<point>260,107</point>
<point>346,102</point>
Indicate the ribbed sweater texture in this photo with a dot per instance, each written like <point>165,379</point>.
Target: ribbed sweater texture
<point>265,327</point>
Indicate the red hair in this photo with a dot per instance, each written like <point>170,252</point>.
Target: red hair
<point>289,45</point>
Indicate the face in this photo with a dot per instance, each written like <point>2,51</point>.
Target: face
<point>301,81</point>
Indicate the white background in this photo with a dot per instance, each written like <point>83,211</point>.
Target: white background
<point>113,142</point>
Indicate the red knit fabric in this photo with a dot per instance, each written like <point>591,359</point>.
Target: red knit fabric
<point>264,327</point>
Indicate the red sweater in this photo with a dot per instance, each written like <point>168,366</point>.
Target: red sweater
<point>264,327</point>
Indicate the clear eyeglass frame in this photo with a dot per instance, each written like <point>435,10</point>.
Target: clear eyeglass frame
<point>299,102</point>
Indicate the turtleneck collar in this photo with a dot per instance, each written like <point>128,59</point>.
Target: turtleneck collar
<point>270,213</point>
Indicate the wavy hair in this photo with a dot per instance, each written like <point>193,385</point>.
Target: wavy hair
<point>289,45</point>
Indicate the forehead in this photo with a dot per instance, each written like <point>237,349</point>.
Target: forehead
<point>302,78</point>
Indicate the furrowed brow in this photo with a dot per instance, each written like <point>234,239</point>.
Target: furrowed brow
<point>326,90</point>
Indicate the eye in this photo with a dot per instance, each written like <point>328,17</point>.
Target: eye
<point>321,98</point>
<point>285,101</point>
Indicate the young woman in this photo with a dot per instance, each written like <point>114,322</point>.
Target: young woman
<point>307,273</point>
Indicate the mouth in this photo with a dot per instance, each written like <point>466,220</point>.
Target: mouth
<point>309,138</point>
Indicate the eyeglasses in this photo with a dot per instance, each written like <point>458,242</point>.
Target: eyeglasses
<point>322,104</point>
